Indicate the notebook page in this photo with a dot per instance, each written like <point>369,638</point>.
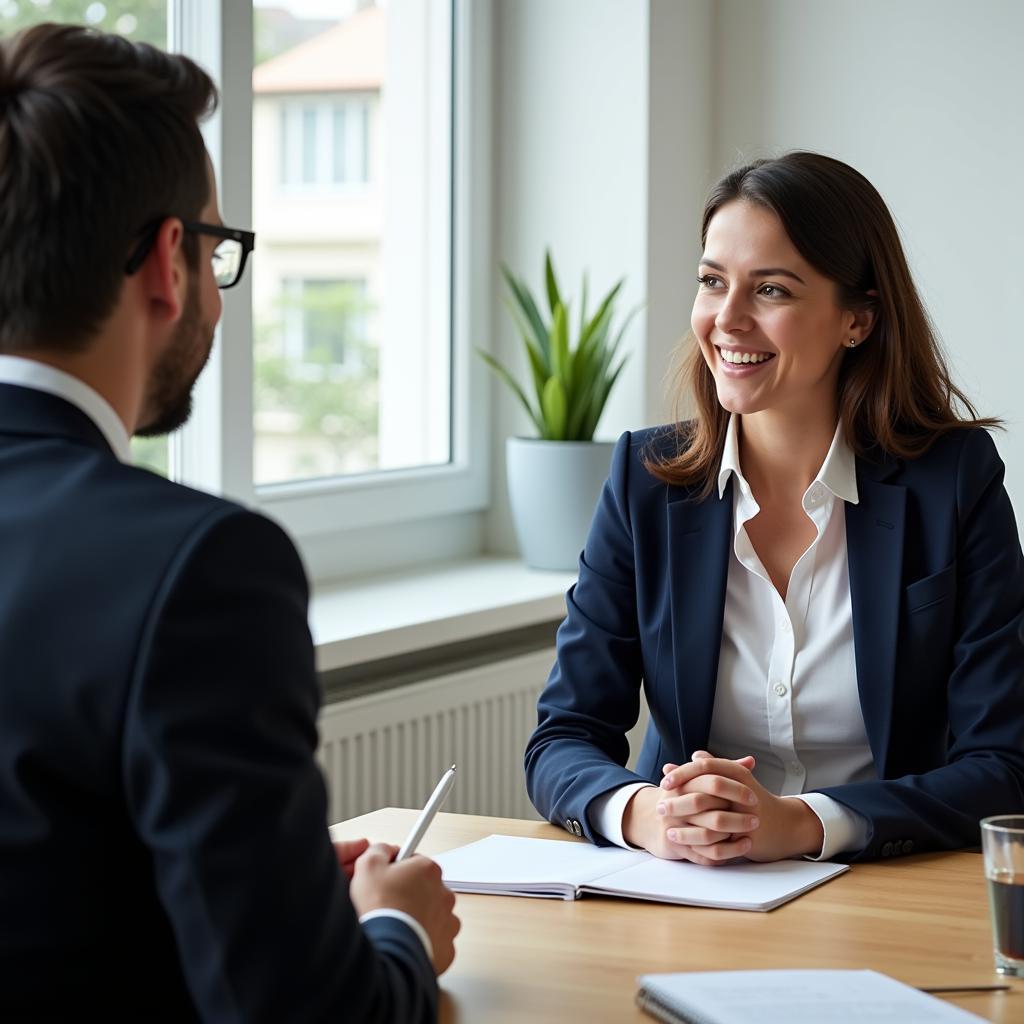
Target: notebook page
<point>746,886</point>
<point>798,997</point>
<point>515,863</point>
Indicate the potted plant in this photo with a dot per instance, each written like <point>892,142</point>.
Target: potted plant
<point>554,479</point>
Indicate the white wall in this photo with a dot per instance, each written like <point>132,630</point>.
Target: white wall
<point>926,98</point>
<point>680,165</point>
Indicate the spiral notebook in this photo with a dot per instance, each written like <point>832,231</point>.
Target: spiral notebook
<point>791,997</point>
<point>554,869</point>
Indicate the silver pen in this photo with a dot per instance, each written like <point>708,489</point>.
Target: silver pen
<point>433,805</point>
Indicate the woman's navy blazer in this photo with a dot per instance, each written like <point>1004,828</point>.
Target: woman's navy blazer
<point>937,590</point>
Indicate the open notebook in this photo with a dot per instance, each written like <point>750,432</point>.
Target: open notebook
<point>791,997</point>
<point>514,866</point>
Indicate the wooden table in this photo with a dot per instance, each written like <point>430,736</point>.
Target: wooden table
<point>921,919</point>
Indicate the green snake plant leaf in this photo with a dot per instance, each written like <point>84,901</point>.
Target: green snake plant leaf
<point>554,298</point>
<point>554,408</point>
<point>516,389</point>
<point>595,334</point>
<point>538,367</point>
<point>560,365</point>
<point>587,372</point>
<point>521,294</point>
<point>603,311</point>
<point>590,381</point>
<point>598,403</point>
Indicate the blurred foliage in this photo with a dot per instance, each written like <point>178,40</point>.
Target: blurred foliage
<point>334,403</point>
<point>151,453</point>
<point>142,21</point>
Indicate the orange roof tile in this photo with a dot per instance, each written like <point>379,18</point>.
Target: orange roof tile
<point>347,57</point>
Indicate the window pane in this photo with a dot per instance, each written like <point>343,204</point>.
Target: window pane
<point>339,144</point>
<point>352,271</point>
<point>143,21</point>
<point>309,145</point>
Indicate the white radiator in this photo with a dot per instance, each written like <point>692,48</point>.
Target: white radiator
<point>388,749</point>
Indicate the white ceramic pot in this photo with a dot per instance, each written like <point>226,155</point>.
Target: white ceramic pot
<point>553,487</point>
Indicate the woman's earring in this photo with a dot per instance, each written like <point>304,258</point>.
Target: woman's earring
<point>853,342</point>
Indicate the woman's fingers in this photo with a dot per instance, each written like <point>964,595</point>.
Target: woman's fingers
<point>721,788</point>
<point>689,804</point>
<point>685,773</point>
<point>720,853</point>
<point>689,835</point>
<point>700,758</point>
<point>725,821</point>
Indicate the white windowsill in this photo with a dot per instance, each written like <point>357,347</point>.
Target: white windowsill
<point>382,616</point>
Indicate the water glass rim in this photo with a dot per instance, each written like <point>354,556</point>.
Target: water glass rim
<point>999,823</point>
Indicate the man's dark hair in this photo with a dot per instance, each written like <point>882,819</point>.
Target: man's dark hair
<point>99,137</point>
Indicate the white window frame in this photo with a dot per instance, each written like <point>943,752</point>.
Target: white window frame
<point>347,525</point>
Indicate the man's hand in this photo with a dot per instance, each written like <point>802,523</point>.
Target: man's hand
<point>415,887</point>
<point>348,851</point>
<point>701,824</point>
<point>787,827</point>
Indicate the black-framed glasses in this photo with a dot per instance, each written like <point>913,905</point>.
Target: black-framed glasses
<point>229,255</point>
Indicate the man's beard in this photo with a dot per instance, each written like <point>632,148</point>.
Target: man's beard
<point>168,402</point>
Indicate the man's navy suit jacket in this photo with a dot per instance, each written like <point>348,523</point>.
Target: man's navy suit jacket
<point>937,589</point>
<point>163,844</point>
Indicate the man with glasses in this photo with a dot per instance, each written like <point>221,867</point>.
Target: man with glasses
<point>163,844</point>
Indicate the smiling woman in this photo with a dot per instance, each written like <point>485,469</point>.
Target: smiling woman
<point>816,581</point>
<point>829,273</point>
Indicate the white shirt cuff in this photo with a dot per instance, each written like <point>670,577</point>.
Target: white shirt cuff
<point>844,829</point>
<point>606,812</point>
<point>421,932</point>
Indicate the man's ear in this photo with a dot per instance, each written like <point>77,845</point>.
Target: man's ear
<point>163,274</point>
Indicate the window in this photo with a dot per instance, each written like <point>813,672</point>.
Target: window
<point>354,113</point>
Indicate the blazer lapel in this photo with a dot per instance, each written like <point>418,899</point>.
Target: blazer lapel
<point>699,535</point>
<point>874,538</point>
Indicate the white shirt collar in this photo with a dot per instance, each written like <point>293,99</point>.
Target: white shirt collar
<point>28,373</point>
<point>838,472</point>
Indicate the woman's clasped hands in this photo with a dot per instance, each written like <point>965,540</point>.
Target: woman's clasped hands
<point>712,811</point>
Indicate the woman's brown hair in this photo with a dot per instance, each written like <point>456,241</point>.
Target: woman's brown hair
<point>895,390</point>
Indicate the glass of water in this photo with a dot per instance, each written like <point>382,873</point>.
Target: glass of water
<point>1002,841</point>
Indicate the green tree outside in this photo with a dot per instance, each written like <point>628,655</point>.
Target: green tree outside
<point>335,406</point>
<point>142,21</point>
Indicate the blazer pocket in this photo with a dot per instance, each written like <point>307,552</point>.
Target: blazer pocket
<point>931,590</point>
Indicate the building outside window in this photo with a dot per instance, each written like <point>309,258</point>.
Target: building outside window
<point>328,201</point>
